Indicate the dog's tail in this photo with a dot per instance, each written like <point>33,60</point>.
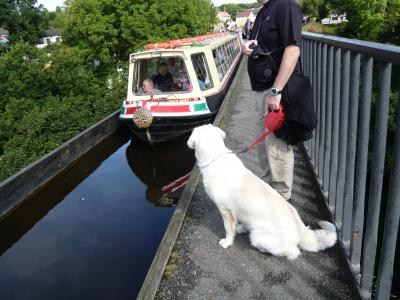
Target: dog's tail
<point>320,239</point>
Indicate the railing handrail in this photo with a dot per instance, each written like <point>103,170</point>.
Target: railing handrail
<point>384,52</point>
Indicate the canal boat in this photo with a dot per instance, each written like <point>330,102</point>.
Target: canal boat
<point>181,83</point>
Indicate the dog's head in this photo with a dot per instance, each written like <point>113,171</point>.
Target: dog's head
<point>207,133</point>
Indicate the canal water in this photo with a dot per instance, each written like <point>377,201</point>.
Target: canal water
<point>92,233</point>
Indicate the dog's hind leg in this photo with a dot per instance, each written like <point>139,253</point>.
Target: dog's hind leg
<point>229,223</point>
<point>266,242</point>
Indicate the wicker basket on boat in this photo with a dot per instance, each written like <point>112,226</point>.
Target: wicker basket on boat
<point>142,118</point>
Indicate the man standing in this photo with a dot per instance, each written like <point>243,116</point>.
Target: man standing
<point>277,29</point>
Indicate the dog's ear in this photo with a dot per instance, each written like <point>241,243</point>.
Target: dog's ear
<point>192,139</point>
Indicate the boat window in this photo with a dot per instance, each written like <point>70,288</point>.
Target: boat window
<point>160,75</point>
<point>202,71</point>
<point>229,51</point>
<point>224,55</point>
<point>226,58</point>
<point>219,62</point>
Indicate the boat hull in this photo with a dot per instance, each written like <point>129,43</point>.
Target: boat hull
<point>165,129</point>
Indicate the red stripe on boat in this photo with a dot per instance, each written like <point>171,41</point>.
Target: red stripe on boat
<point>170,108</point>
<point>130,110</point>
<point>176,184</point>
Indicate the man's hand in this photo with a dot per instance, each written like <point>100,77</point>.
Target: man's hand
<point>247,49</point>
<point>272,102</point>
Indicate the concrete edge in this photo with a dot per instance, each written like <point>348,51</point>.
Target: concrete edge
<point>343,256</point>
<point>15,189</point>
<point>154,275</point>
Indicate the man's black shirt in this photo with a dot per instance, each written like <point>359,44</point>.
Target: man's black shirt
<point>278,25</point>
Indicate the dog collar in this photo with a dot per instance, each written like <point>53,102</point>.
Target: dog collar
<point>203,166</point>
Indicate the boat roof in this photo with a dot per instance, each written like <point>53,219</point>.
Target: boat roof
<point>181,45</point>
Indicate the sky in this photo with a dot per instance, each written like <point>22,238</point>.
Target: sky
<point>52,4</point>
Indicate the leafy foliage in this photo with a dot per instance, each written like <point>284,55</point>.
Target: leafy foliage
<point>376,20</point>
<point>21,18</point>
<point>233,9</point>
<point>109,30</point>
<point>316,8</point>
<point>48,96</point>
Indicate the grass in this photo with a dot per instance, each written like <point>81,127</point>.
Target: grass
<point>323,29</point>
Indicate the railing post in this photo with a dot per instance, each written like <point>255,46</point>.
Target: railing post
<point>361,169</point>
<point>386,263</point>
<point>374,200</point>
<point>318,112</point>
<point>314,84</point>
<point>351,147</point>
<point>335,129</point>
<point>328,129</point>
<point>343,119</point>
<point>322,120</point>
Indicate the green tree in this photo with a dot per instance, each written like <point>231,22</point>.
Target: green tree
<point>233,9</point>
<point>21,18</point>
<point>108,30</point>
<point>316,8</point>
<point>49,19</point>
<point>375,20</point>
<point>48,96</point>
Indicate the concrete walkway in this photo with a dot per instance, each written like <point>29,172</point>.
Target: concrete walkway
<point>199,268</point>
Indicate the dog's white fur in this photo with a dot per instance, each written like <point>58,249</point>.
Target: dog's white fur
<point>247,203</point>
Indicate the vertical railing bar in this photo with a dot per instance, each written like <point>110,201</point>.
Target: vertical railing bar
<point>323,113</point>
<point>318,112</point>
<point>385,272</point>
<point>328,129</point>
<point>314,81</point>
<point>310,63</point>
<point>309,51</point>
<point>374,200</point>
<point>361,163</point>
<point>351,148</point>
<point>307,64</point>
<point>308,58</point>
<point>343,120</point>
<point>335,129</point>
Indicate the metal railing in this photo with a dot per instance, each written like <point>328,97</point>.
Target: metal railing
<point>342,72</point>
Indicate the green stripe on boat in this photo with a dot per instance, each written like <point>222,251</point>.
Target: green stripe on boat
<point>200,107</point>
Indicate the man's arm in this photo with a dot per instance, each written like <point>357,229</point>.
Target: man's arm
<point>289,60</point>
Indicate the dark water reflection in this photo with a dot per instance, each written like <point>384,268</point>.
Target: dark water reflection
<point>92,233</point>
<point>163,170</point>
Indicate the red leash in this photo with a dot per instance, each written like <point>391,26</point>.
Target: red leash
<point>273,121</point>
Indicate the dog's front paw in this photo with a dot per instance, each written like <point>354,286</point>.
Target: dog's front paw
<point>225,243</point>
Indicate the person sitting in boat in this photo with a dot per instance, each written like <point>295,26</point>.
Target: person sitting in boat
<point>181,83</point>
<point>148,88</point>
<point>201,84</point>
<point>174,69</point>
<point>163,80</point>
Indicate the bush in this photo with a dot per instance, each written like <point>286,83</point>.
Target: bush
<point>47,98</point>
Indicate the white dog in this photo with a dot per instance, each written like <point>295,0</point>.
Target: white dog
<point>247,203</point>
